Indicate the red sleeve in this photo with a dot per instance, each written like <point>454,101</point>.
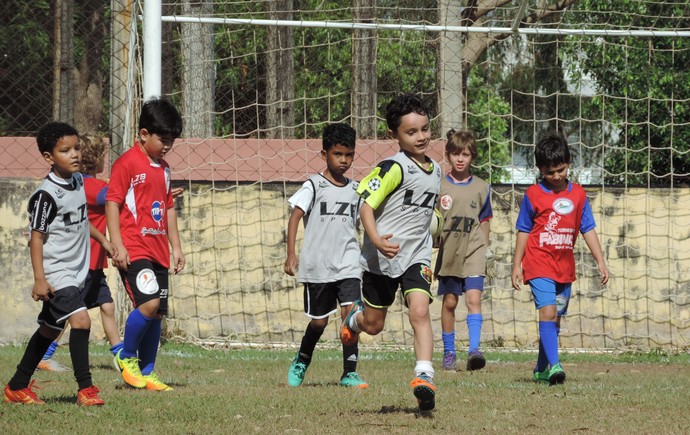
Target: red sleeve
<point>119,183</point>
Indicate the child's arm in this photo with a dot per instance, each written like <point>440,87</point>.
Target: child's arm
<point>592,241</point>
<point>520,244</point>
<point>42,290</point>
<point>100,238</point>
<point>174,238</point>
<point>291,263</point>
<point>486,230</point>
<point>112,216</point>
<point>388,249</point>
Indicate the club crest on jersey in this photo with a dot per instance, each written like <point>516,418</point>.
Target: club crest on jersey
<point>563,206</point>
<point>323,184</point>
<point>446,202</point>
<point>147,282</point>
<point>412,169</point>
<point>157,211</point>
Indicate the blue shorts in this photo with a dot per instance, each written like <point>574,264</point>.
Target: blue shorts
<point>549,292</point>
<point>96,289</point>
<point>453,285</point>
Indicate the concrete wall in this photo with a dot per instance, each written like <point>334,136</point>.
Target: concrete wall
<point>234,290</point>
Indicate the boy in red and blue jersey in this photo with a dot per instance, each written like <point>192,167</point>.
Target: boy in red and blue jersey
<point>142,222</point>
<point>552,213</point>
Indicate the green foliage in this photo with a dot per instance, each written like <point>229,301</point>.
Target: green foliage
<point>648,80</point>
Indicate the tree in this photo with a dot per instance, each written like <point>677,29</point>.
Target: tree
<point>646,144</point>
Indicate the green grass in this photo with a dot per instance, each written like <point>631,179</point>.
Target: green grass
<point>245,391</point>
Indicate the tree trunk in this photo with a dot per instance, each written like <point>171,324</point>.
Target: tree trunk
<point>280,80</point>
<point>364,70</point>
<point>452,93</point>
<point>63,97</point>
<point>198,71</point>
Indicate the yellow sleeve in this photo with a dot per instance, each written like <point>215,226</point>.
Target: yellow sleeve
<point>381,182</point>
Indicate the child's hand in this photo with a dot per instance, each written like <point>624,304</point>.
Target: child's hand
<point>42,290</point>
<point>179,261</point>
<point>121,258</point>
<point>109,248</point>
<point>517,277</point>
<point>604,273</point>
<point>176,191</point>
<point>290,266</point>
<point>388,249</point>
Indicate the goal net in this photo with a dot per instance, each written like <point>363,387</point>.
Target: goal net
<point>257,82</point>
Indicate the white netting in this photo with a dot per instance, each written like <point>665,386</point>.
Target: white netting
<point>257,82</point>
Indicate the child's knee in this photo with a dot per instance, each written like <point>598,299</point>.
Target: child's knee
<point>108,309</point>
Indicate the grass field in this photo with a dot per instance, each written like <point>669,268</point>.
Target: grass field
<point>245,391</point>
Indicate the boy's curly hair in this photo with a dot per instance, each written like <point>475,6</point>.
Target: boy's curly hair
<point>92,150</point>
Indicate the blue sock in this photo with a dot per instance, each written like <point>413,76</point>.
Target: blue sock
<point>148,347</point>
<point>448,342</point>
<point>542,361</point>
<point>116,348</point>
<point>136,326</point>
<point>549,340</point>
<point>51,350</point>
<point>474,328</point>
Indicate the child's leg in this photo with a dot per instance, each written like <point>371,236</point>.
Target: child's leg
<point>35,349</point>
<point>110,326</point>
<point>420,320</point>
<point>53,346</point>
<point>350,352</point>
<point>548,335</point>
<point>450,303</point>
<point>79,347</point>
<point>311,337</point>
<point>473,300</point>
<point>148,346</point>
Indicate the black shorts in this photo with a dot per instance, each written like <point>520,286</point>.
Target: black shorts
<point>320,299</point>
<point>145,281</point>
<point>61,306</point>
<point>379,290</point>
<point>96,290</point>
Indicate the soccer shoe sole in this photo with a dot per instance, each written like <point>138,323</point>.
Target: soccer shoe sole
<point>557,378</point>
<point>426,397</point>
<point>475,362</point>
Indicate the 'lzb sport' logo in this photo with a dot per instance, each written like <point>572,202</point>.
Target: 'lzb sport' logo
<point>157,211</point>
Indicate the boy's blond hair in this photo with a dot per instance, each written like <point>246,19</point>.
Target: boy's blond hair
<point>92,151</point>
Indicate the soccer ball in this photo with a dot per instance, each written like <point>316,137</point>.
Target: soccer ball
<point>436,227</point>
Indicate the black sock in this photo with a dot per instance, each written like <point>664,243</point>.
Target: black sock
<point>350,354</point>
<point>306,348</point>
<point>79,351</point>
<point>35,349</point>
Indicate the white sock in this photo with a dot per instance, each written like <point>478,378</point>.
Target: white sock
<point>353,322</point>
<point>424,367</point>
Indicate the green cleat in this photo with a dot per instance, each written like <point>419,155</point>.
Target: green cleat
<point>131,373</point>
<point>538,376</point>
<point>556,375</point>
<point>297,371</point>
<point>352,379</point>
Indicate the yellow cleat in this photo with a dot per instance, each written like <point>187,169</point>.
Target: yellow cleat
<point>155,384</point>
<point>131,373</point>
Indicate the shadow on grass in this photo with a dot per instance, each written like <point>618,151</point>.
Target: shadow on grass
<point>418,413</point>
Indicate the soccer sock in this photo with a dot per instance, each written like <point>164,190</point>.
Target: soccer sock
<point>51,350</point>
<point>542,361</point>
<point>353,322</point>
<point>549,339</point>
<point>424,367</point>
<point>33,353</point>
<point>148,346</point>
<point>309,340</point>
<point>350,354</point>
<point>448,342</point>
<point>116,348</point>
<point>79,351</point>
<point>135,328</point>
<point>474,329</point>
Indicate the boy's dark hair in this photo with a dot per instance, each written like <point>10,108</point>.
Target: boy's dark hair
<point>402,105</point>
<point>49,135</point>
<point>552,150</point>
<point>92,151</point>
<point>459,140</point>
<point>160,117</point>
<point>339,134</point>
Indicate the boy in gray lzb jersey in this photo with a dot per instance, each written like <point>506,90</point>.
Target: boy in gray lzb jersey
<point>60,250</point>
<point>329,260</point>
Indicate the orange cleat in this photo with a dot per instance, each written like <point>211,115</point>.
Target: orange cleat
<point>25,395</point>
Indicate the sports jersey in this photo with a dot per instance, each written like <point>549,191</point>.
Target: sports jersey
<point>58,210</point>
<point>95,190</point>
<point>330,249</point>
<point>143,191</point>
<point>403,196</point>
<point>463,245</point>
<point>553,221</point>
